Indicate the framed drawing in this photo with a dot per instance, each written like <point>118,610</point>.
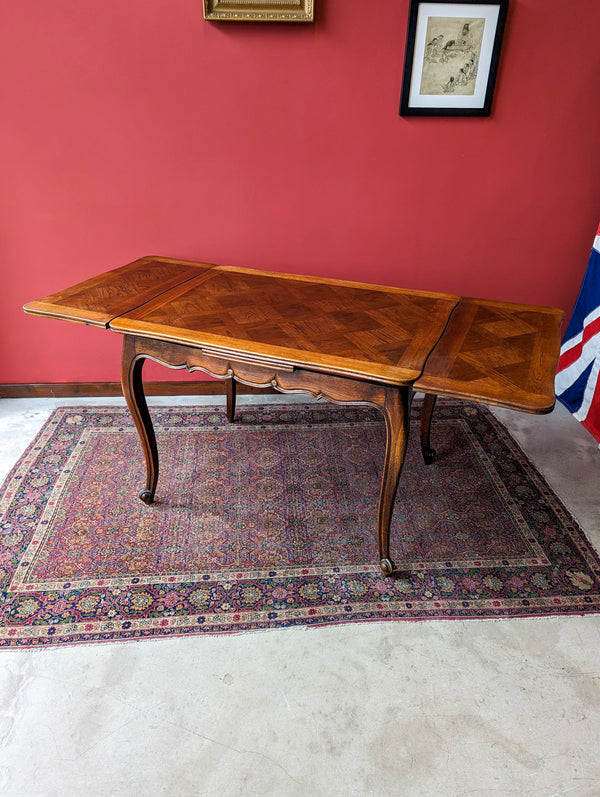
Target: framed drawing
<point>452,54</point>
<point>264,11</point>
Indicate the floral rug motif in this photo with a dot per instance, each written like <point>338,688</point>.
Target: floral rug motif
<point>271,522</point>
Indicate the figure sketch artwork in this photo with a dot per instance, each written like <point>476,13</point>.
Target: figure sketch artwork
<point>451,57</point>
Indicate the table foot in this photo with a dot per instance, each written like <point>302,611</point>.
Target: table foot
<point>147,496</point>
<point>429,456</point>
<point>387,567</point>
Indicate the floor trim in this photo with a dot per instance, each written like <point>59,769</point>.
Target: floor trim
<point>104,389</point>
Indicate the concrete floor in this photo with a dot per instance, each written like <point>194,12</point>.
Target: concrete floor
<point>502,707</point>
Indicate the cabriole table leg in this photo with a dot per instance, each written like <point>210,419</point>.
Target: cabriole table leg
<point>396,412</point>
<point>231,392</point>
<point>428,452</point>
<point>133,390</point>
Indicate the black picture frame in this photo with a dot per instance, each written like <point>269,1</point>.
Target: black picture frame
<point>452,55</point>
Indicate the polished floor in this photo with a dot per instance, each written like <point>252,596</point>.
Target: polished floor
<point>449,708</point>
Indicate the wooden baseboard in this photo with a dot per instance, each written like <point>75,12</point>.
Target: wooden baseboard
<point>106,389</point>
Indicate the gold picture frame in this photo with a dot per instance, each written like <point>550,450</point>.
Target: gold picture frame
<point>263,11</point>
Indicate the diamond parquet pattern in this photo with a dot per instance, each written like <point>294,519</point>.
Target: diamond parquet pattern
<point>98,300</point>
<point>323,319</point>
<point>497,352</point>
<point>493,352</point>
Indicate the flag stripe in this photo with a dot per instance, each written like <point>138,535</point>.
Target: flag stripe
<point>589,392</point>
<point>577,383</point>
<point>574,349</point>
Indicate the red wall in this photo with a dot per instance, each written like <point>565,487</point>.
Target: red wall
<point>133,128</point>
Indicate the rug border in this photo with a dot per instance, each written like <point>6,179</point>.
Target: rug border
<point>162,629</point>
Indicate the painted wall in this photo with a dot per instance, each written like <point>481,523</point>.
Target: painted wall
<point>133,128</point>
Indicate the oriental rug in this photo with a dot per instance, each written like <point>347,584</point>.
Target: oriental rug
<point>271,522</point>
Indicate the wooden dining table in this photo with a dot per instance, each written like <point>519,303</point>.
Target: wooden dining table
<point>346,342</point>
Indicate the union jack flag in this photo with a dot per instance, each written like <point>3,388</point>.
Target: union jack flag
<point>577,381</point>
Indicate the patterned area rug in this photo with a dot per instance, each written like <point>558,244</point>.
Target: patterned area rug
<point>271,522</point>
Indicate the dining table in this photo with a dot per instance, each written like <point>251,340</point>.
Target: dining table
<point>338,340</point>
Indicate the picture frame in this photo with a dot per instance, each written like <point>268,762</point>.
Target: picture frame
<point>263,11</point>
<point>452,56</point>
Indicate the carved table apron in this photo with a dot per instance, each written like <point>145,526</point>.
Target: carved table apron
<point>346,342</point>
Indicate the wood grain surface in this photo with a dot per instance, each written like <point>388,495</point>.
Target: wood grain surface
<point>497,353</point>
<point>488,351</point>
<point>335,326</point>
<point>98,300</point>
